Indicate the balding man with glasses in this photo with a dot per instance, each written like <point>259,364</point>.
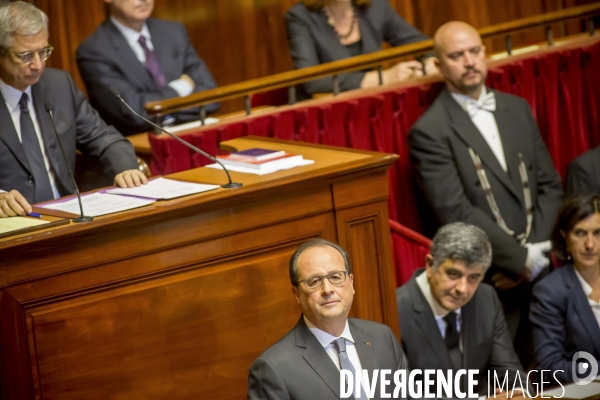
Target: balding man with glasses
<point>32,170</point>
<point>306,363</point>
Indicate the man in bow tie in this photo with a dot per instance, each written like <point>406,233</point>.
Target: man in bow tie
<point>306,363</point>
<point>479,158</point>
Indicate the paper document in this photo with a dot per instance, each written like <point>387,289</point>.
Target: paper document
<point>97,204</point>
<point>573,391</point>
<point>300,163</point>
<point>191,125</point>
<point>15,223</point>
<point>162,188</point>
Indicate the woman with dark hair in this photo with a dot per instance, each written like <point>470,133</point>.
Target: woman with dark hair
<point>565,310</point>
<point>321,31</point>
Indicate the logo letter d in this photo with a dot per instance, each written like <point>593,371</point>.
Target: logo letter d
<point>582,367</point>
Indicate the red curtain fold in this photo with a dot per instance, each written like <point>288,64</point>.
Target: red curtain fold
<point>208,141</point>
<point>590,65</point>
<point>306,125</point>
<point>498,79</point>
<point>337,122</point>
<point>282,125</point>
<point>323,121</point>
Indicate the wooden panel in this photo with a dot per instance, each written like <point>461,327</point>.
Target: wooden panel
<point>177,299</point>
<point>255,210</point>
<point>153,339</point>
<point>70,22</point>
<point>361,214</point>
<point>367,189</point>
<point>14,353</point>
<point>246,39</point>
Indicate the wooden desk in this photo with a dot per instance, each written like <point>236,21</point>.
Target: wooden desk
<point>175,300</point>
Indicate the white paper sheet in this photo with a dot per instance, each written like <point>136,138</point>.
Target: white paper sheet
<point>191,125</point>
<point>261,172</point>
<point>162,188</point>
<point>97,204</point>
<point>15,223</point>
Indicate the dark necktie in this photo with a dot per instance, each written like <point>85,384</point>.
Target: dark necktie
<point>345,363</point>
<point>152,64</point>
<point>452,340</point>
<point>33,152</point>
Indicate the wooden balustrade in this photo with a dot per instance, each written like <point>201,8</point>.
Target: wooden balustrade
<point>366,61</point>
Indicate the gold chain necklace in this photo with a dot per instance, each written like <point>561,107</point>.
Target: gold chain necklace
<point>331,22</point>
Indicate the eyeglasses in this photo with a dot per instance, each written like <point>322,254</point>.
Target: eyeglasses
<point>27,57</point>
<point>316,282</point>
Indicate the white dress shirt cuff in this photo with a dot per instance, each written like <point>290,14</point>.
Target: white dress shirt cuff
<point>182,87</point>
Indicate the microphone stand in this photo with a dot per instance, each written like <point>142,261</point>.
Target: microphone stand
<point>82,218</point>
<point>230,185</point>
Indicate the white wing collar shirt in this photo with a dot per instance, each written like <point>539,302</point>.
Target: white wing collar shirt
<point>484,120</point>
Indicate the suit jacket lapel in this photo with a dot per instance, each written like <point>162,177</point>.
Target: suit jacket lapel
<point>426,321</point>
<point>369,41</point>
<point>40,96</point>
<point>338,49</point>
<point>316,356</point>
<point>582,306</point>
<point>365,353</point>
<point>468,331</point>
<point>468,132</point>
<point>510,142</point>
<point>125,56</point>
<point>8,134</point>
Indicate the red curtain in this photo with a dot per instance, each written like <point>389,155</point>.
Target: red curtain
<point>560,86</point>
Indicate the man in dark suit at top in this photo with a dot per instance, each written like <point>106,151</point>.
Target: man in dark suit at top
<point>146,59</point>
<point>479,158</point>
<point>449,320</point>
<point>583,175</point>
<point>306,363</point>
<point>32,169</point>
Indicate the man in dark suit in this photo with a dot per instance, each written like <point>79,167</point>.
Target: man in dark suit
<point>146,59</point>
<point>583,175</point>
<point>479,158</point>
<point>306,363</point>
<point>32,169</point>
<point>449,320</point>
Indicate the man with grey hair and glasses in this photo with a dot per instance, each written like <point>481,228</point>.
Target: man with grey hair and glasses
<point>449,320</point>
<point>32,168</point>
<point>306,363</point>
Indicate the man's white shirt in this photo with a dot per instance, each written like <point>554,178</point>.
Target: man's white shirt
<point>325,339</point>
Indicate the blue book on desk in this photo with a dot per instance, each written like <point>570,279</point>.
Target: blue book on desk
<point>257,154</point>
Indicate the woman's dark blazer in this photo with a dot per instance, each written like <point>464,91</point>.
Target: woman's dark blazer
<point>563,323</point>
<point>313,41</point>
